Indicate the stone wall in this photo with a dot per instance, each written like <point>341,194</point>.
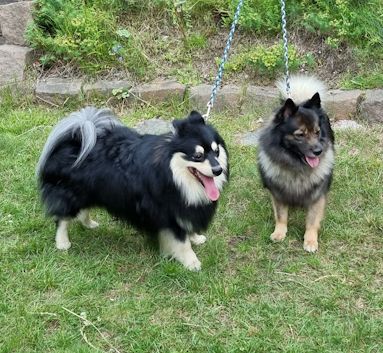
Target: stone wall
<point>340,104</point>
<point>14,54</point>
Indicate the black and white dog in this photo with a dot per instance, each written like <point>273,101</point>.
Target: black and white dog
<point>166,185</point>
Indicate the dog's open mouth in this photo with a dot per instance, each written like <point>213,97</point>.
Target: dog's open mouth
<point>208,183</point>
<point>313,162</point>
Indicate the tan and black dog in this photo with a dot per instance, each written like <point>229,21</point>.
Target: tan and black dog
<point>296,158</point>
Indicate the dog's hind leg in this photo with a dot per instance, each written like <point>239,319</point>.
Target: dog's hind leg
<point>197,239</point>
<point>62,239</point>
<point>85,219</point>
<point>314,216</point>
<point>280,214</point>
<point>179,249</point>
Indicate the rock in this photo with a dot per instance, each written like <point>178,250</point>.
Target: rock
<point>154,127</point>
<point>199,96</point>
<point>228,98</point>
<point>13,60</point>
<point>371,107</point>
<point>59,88</point>
<point>14,18</point>
<point>249,138</point>
<point>265,98</point>
<point>346,125</point>
<point>106,88</point>
<point>341,104</point>
<point>160,91</point>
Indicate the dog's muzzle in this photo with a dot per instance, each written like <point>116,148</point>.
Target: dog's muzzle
<point>217,170</point>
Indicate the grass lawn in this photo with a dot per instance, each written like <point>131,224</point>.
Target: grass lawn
<point>251,295</point>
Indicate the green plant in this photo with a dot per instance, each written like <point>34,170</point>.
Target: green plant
<point>86,35</point>
<point>267,61</point>
<point>357,22</point>
<point>120,93</point>
<point>196,41</point>
<point>187,75</point>
<point>351,21</point>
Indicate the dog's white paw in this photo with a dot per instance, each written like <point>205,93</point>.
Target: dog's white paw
<point>277,236</point>
<point>63,245</point>
<point>91,224</point>
<point>86,221</point>
<point>310,245</point>
<point>192,263</point>
<point>197,239</point>
<point>180,250</point>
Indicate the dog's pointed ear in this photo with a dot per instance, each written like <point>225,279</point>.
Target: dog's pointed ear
<point>314,102</point>
<point>288,109</point>
<point>195,118</point>
<point>181,125</point>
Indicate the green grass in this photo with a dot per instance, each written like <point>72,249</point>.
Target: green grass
<point>251,295</point>
<point>370,71</point>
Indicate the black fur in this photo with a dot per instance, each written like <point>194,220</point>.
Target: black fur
<point>129,175</point>
<point>287,153</point>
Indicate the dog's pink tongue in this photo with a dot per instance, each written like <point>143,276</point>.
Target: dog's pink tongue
<point>312,161</point>
<point>210,187</point>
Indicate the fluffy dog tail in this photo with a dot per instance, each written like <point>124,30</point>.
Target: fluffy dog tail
<point>87,123</point>
<point>302,88</point>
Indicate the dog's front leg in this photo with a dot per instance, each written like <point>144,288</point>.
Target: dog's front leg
<point>176,244</point>
<point>197,239</point>
<point>86,221</point>
<point>281,215</point>
<point>62,238</point>
<point>314,216</point>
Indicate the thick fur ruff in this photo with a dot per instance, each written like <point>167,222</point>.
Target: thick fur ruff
<point>165,185</point>
<point>302,88</point>
<point>292,140</point>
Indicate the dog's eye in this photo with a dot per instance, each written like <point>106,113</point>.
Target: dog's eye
<point>317,132</point>
<point>216,152</point>
<point>198,156</point>
<point>299,134</point>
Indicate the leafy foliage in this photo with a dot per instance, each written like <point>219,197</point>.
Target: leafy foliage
<point>86,35</point>
<point>97,35</point>
<point>267,61</point>
<point>350,21</point>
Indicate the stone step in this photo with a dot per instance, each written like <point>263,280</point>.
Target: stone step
<point>57,88</point>
<point>152,93</point>
<point>371,107</point>
<point>14,19</point>
<point>235,99</point>
<point>13,60</point>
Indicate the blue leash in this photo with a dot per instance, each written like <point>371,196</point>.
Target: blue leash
<point>224,58</point>
<point>285,48</point>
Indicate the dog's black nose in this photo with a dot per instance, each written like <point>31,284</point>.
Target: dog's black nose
<point>317,151</point>
<point>217,170</point>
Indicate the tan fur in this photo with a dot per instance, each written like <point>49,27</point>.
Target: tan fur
<point>314,217</point>
<point>281,215</point>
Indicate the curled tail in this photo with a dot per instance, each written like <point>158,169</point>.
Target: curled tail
<point>302,88</point>
<point>88,122</point>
